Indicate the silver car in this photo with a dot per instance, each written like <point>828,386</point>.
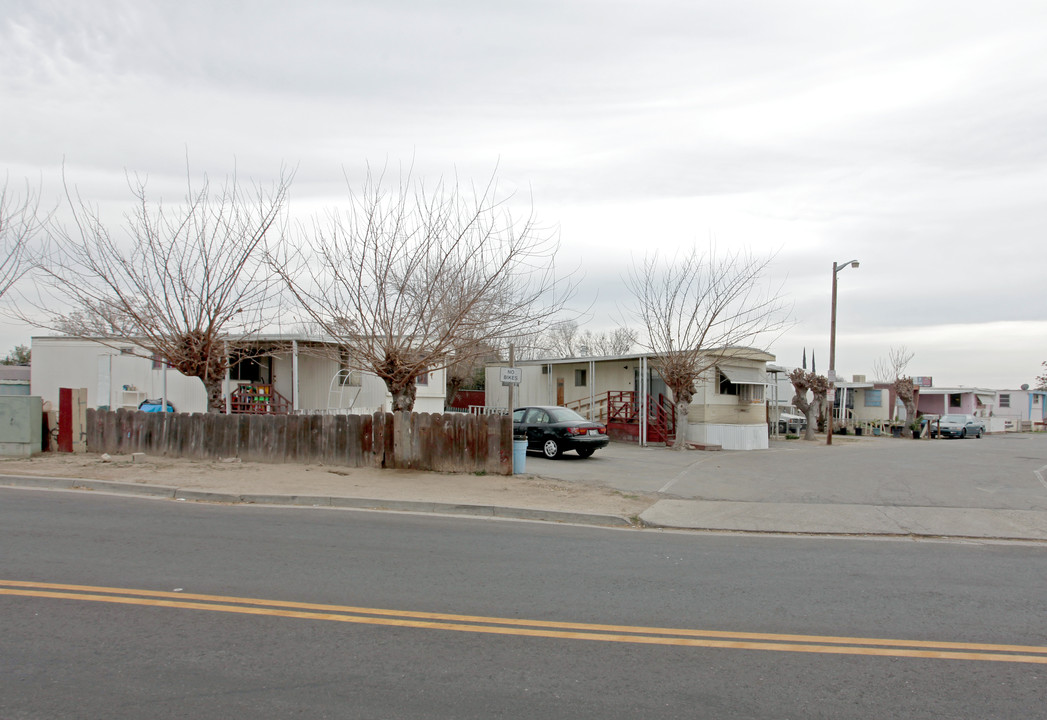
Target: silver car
<point>961,426</point>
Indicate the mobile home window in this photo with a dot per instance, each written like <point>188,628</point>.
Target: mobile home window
<point>1005,401</point>
<point>348,377</point>
<point>580,379</point>
<point>750,393</point>
<point>955,400</point>
<point>726,387</point>
<point>874,398</point>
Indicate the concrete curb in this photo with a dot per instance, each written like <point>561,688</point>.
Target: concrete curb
<point>111,487</point>
<point>848,520</point>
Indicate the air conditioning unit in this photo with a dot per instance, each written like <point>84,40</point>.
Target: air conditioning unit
<point>857,378</point>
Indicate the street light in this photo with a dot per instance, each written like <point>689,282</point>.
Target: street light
<point>837,267</point>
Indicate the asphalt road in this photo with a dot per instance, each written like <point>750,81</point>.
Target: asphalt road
<point>998,471</point>
<point>430,617</point>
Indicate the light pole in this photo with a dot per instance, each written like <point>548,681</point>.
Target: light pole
<point>837,267</point>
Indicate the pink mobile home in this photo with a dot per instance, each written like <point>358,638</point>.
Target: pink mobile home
<point>961,400</point>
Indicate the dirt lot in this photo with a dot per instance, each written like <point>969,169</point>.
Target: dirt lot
<point>521,491</point>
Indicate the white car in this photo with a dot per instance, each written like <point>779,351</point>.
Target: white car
<point>788,423</point>
<point>960,426</point>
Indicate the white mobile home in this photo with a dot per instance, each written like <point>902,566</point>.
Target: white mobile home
<point>626,393</point>
<point>273,373</point>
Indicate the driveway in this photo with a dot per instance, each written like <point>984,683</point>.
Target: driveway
<point>995,472</point>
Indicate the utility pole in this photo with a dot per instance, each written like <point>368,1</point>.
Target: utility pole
<point>837,267</point>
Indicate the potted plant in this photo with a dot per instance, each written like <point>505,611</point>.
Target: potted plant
<point>916,426</point>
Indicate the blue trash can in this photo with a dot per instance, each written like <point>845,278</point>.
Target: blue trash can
<point>519,456</point>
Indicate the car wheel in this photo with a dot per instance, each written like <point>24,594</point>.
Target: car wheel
<point>978,436</point>
<point>963,434</point>
<point>551,449</point>
<point>586,452</point>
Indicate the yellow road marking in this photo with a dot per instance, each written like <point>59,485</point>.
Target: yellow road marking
<point>535,628</point>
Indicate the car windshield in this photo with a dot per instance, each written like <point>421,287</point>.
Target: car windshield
<point>564,415</point>
<point>953,418</point>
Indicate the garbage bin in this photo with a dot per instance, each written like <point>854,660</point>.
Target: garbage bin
<point>519,455</point>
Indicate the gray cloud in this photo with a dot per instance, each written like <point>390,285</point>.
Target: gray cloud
<point>909,135</point>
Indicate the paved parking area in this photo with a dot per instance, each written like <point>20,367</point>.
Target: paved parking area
<point>1005,472</point>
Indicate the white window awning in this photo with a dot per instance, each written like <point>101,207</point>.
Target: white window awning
<point>745,376</point>
<point>985,399</point>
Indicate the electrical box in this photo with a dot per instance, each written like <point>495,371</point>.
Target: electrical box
<point>21,425</point>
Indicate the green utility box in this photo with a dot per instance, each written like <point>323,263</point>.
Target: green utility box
<point>21,425</point>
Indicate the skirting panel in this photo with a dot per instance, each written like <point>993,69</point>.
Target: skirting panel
<point>729,437</point>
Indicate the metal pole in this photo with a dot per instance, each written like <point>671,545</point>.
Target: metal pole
<point>642,390</point>
<point>512,364</point>
<point>294,376</point>
<point>832,364</point>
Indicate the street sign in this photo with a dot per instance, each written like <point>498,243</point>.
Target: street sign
<point>512,376</point>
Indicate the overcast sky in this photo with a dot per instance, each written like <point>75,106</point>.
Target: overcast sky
<point>911,136</point>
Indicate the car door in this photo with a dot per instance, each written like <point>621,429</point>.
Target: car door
<point>535,422</point>
<point>518,422</point>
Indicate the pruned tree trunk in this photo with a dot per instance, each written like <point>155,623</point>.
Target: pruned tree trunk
<point>906,391</point>
<point>810,411</point>
<point>818,385</point>
<point>403,395</point>
<point>215,397</point>
<point>682,398</point>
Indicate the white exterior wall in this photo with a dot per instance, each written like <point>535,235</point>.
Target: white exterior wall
<point>318,393</point>
<point>870,414</point>
<point>533,390</point>
<point>59,362</point>
<point>70,362</point>
<point>733,424</point>
<point>729,437</point>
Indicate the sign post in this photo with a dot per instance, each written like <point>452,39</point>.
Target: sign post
<point>511,376</point>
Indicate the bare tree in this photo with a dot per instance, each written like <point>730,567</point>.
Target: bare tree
<point>411,279</point>
<point>565,340</point>
<point>20,222</point>
<point>891,368</point>
<point>617,342</point>
<point>466,366</point>
<point>1041,381</point>
<point>561,339</point>
<point>818,385</point>
<point>185,283</point>
<point>695,310</point>
<point>906,391</point>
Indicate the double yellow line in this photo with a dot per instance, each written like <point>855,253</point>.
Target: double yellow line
<point>535,628</point>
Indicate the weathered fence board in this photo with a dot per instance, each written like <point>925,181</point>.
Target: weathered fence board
<point>448,443</point>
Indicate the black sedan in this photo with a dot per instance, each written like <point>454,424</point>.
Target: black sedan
<point>554,430</point>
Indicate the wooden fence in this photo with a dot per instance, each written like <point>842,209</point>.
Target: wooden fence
<point>454,442</point>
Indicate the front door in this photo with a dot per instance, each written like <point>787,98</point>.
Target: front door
<point>559,391</point>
